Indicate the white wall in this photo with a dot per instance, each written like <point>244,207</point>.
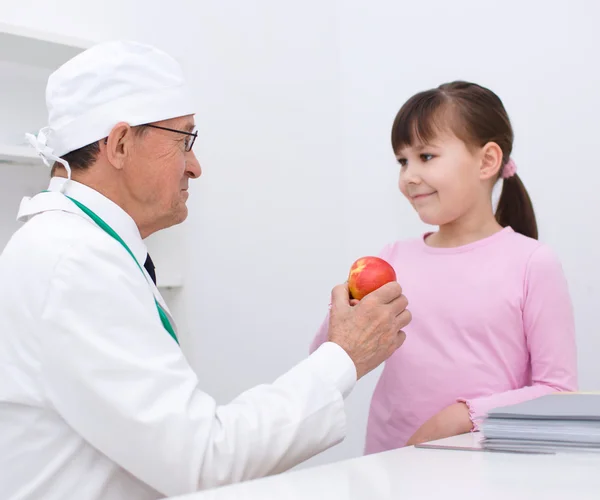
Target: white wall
<point>542,60</point>
<point>296,102</point>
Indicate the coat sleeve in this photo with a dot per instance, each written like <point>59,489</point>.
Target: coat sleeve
<point>121,382</point>
<point>549,325</point>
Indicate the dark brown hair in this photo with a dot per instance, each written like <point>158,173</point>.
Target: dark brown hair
<point>476,116</point>
<point>80,159</point>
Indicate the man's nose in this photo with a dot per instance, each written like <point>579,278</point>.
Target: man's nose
<point>192,166</point>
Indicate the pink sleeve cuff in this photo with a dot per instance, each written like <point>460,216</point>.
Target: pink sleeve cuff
<point>481,406</point>
<point>472,413</point>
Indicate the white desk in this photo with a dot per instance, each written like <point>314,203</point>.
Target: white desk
<point>415,473</point>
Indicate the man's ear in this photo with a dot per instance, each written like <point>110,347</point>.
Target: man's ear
<point>491,161</point>
<point>118,144</point>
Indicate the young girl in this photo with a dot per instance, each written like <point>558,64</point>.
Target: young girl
<point>492,317</point>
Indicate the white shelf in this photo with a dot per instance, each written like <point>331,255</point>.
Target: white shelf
<point>169,281</point>
<point>27,57</point>
<point>37,48</point>
<point>19,155</point>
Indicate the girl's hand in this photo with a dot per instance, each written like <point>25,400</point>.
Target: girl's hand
<point>451,421</point>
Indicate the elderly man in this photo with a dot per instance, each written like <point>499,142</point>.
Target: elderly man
<point>97,400</point>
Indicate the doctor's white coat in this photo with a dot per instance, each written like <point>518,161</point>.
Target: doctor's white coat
<point>97,401</point>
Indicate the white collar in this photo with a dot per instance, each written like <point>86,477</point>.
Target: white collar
<point>119,220</point>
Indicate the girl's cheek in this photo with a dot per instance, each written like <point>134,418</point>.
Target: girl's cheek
<point>402,187</point>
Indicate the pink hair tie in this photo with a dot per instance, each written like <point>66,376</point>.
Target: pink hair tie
<point>509,169</point>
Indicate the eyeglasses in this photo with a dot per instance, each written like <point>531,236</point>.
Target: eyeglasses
<point>189,141</point>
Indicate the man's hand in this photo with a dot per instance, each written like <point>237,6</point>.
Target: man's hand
<point>451,421</point>
<point>370,331</point>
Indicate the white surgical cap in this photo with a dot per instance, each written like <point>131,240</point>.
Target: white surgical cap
<point>112,82</point>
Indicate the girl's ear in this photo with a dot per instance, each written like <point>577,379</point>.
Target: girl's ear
<point>491,161</point>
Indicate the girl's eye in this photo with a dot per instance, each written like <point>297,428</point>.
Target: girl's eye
<point>426,157</point>
<point>402,162</point>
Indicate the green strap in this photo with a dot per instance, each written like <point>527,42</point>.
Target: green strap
<point>109,230</point>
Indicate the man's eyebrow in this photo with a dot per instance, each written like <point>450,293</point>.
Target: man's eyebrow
<point>190,126</point>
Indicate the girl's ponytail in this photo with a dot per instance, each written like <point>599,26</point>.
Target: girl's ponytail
<point>514,206</point>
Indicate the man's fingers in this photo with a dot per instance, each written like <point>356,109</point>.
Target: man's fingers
<point>387,293</point>
<point>340,296</point>
<point>401,338</point>
<point>402,320</point>
<point>398,305</point>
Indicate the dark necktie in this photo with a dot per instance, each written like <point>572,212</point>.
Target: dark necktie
<point>149,265</point>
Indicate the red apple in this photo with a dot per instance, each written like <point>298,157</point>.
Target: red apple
<point>367,274</point>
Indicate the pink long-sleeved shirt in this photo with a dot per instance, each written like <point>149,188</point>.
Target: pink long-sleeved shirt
<point>492,326</point>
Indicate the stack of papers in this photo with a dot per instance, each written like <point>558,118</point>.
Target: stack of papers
<point>549,424</point>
